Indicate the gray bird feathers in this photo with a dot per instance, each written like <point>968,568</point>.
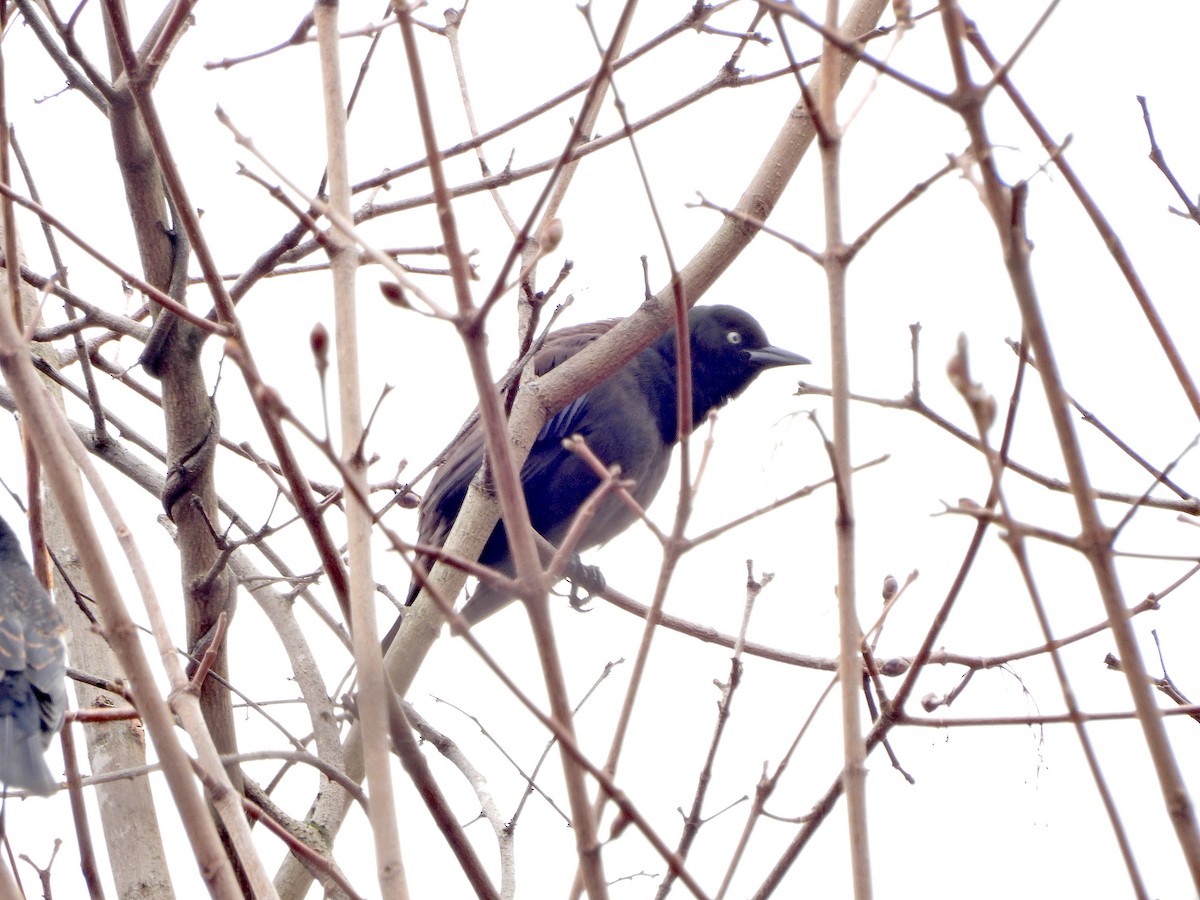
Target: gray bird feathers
<point>33,695</point>
<point>629,419</point>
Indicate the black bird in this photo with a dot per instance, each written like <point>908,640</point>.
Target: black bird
<point>629,420</point>
<point>33,694</point>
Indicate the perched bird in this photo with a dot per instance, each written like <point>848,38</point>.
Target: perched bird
<point>33,694</point>
<point>629,420</point>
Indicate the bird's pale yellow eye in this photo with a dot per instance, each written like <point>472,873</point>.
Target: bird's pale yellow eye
<point>734,337</point>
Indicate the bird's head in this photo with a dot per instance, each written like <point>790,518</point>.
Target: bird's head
<point>729,349</point>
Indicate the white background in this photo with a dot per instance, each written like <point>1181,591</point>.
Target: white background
<point>995,810</point>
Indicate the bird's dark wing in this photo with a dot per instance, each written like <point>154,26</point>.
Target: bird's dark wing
<point>33,697</point>
<point>449,486</point>
<point>619,420</point>
<point>448,489</point>
<point>561,345</point>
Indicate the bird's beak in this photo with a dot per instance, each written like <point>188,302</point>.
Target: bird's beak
<point>769,357</point>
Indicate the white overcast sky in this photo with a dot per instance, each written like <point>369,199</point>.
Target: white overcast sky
<point>994,811</point>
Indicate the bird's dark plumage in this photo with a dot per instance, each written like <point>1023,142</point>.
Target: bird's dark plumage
<point>33,694</point>
<point>629,420</point>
